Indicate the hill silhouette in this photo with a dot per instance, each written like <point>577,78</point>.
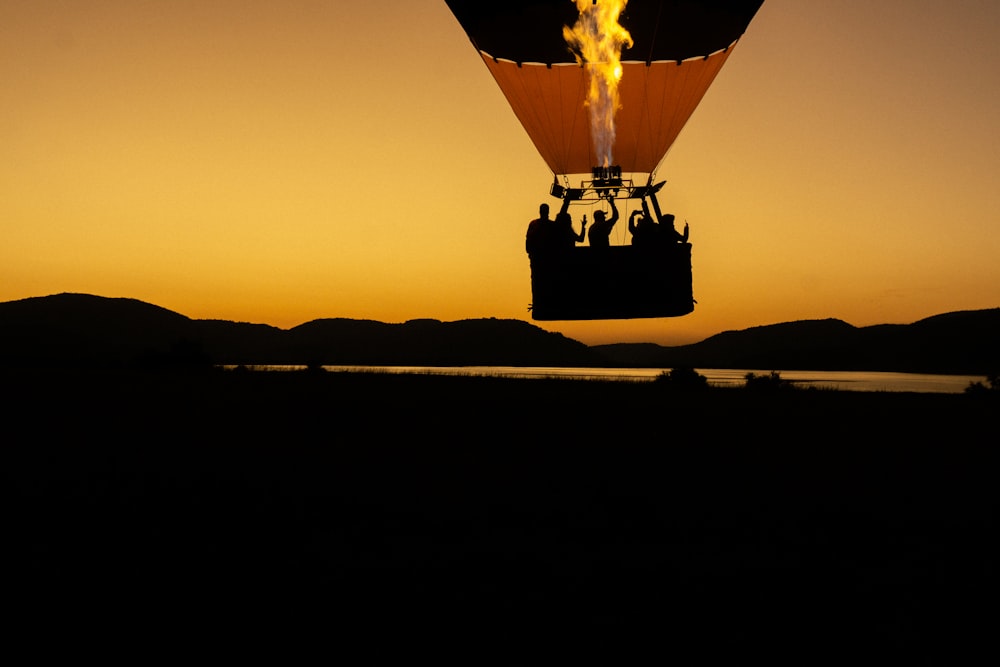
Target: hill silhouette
<point>81,330</point>
<point>961,342</point>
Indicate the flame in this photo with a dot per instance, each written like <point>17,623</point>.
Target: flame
<point>597,40</point>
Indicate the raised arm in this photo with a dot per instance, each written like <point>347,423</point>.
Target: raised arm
<point>614,212</point>
<point>583,230</point>
<point>631,221</point>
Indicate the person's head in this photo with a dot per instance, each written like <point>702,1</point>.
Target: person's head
<point>564,218</point>
<point>598,216</point>
<point>669,219</point>
<point>543,210</point>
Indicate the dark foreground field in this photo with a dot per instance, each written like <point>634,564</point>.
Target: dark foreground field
<point>495,521</point>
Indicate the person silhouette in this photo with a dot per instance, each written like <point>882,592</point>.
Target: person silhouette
<point>600,231</point>
<point>645,231</point>
<point>535,239</point>
<point>669,233</point>
<point>566,237</point>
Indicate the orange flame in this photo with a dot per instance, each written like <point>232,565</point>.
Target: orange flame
<point>597,40</point>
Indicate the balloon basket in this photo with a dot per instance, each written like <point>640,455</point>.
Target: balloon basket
<point>620,282</point>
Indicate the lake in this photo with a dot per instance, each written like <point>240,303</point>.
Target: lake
<point>719,377</point>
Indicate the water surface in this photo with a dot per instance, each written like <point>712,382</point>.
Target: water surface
<point>719,377</point>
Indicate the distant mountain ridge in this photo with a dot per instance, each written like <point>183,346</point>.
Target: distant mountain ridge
<point>89,331</point>
<point>962,342</point>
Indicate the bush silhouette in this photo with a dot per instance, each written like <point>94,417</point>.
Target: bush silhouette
<point>684,378</point>
<point>978,388</point>
<point>768,383</point>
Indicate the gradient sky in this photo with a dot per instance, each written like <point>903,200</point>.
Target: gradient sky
<point>276,163</point>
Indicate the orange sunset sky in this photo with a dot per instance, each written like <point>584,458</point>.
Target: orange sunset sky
<point>278,162</point>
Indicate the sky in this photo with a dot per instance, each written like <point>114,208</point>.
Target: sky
<point>277,163</point>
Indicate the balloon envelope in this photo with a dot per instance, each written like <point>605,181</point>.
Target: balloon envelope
<point>678,48</point>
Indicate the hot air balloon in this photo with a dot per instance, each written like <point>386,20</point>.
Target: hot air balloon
<point>670,51</point>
